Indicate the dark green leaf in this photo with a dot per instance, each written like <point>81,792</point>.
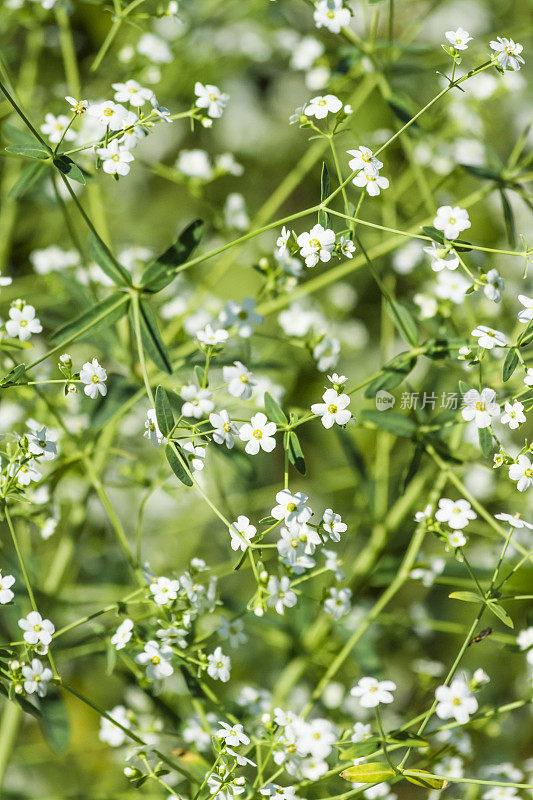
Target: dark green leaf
<point>13,376</point>
<point>407,738</point>
<point>394,372</point>
<point>26,179</point>
<point>390,421</point>
<point>402,110</point>
<point>151,338</point>
<point>107,262</point>
<point>510,363</point>
<point>485,441</point>
<point>273,411</point>
<point>481,172</point>
<point>296,457</point>
<point>54,723</point>
<point>176,463</point>
<point>508,216</point>
<point>163,270</point>
<point>106,311</point>
<point>69,168</point>
<point>403,320</point>
<point>163,411</point>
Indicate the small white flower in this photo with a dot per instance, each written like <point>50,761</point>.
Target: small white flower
<point>24,473</point>
<point>494,287</point>
<point>225,429</point>
<point>455,701</point>
<point>338,603</point>
<point>212,336</point>
<point>457,539</point>
<point>333,525</point>
<point>111,734</point>
<point>281,594</point>
<point>514,520</point>
<point>116,158</point>
<point>480,407</point>
<point>195,456</point>
<point>195,164</point>
<point>36,678</point>
<point>459,39</point>
<point>488,337</point>
<point>156,658</point>
<point>94,377</point>
<point>164,590</point>
<point>319,107</point>
<point>360,732</point>
<point>451,221</point>
<point>39,444</point>
<point>514,414</point>
<point>291,507</point>
<point>508,53</point>
<point>241,314</point>
<point>420,516</point>
<point>347,247</point>
<point>371,180</point>
<point>211,98</point>
<point>36,629</point>
<point>6,595</point>
<point>239,379</point>
<point>132,92</point>
<point>109,114</point>
<point>219,666</point>
<point>526,314</point>
<point>442,257</point>
<point>528,378</point>
<point>282,240</point>
<point>334,409</point>
<point>54,127</point>
<point>160,111</point>
<point>372,692</point>
<point>524,639</point>
<point>242,532</point>
<point>457,513</point>
<point>332,15</point>
<point>22,322</point>
<point>258,434</point>
<point>232,631</point>
<point>522,473</point>
<point>363,158</point>
<point>232,734</point>
<point>77,107</point>
<point>316,245</point>
<point>151,428</point>
<point>123,634</point>
<point>197,401</point>
<point>5,281</point>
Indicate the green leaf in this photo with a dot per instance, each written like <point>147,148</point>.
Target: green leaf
<point>394,372</point>
<point>508,216</point>
<point>151,338</point>
<point>374,772</point>
<point>107,262</point>
<point>163,411</point>
<point>109,310</point>
<point>199,373</point>
<point>467,597</point>
<point>403,320</point>
<point>69,168</point>
<point>422,778</point>
<point>402,109</point>
<point>273,411</point>
<point>485,441</point>
<point>407,738</point>
<point>501,613</point>
<point>364,748</point>
<point>29,151</point>
<point>323,216</point>
<point>458,244</point>
<point>13,376</point>
<point>163,270</point>
<point>21,136</point>
<point>29,175</point>
<point>390,421</point>
<point>176,463</point>
<point>510,363</point>
<point>296,457</point>
<point>54,723</point>
<point>481,172</point>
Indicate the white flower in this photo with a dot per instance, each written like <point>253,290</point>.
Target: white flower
<point>211,98</point>
<point>218,666</point>
<point>455,701</point>
<point>111,734</point>
<point>330,14</point>
<point>457,539</point>
<point>326,353</point>
<point>241,314</point>
<point>132,92</point>
<point>451,221</point>
<point>115,158</point>
<point>451,286</point>
<point>36,629</point>
<point>457,513</point>
<point>212,336</point>
<point>54,127</point>
<point>109,114</point>
<point>5,281</point>
<point>370,180</point>
<point>242,761</point>
<point>291,507</point>
<point>258,434</point>
<point>242,532</point>
<point>52,258</point>
<point>164,590</point>
<point>459,39</point>
<point>420,516</point>
<point>197,401</point>
<point>6,595</point>
<point>333,525</point>
<point>123,634</point>
<point>363,158</point>
<point>494,287</point>
<point>526,314</point>
<point>372,692</point>
<point>151,428</point>
<point>480,407</point>
<point>281,241</point>
<point>524,639</point>
<point>508,53</point>
<point>239,379</point>
<point>232,734</point>
<point>161,111</point>
<point>195,456</point>
<point>522,472</point>
<point>154,48</point>
<point>528,378</point>
<point>22,322</point>
<point>338,603</point>
<point>156,658</point>
<point>488,337</point>
<point>316,245</point>
<point>334,409</point>
<point>195,164</point>
<point>40,445</point>
<point>24,473</point>
<point>514,520</point>
<point>442,257</point>
<point>319,107</point>
<point>77,107</point>
<point>347,247</point>
<point>291,548</point>
<point>36,678</point>
<point>235,213</point>
<point>514,414</point>
<point>233,631</point>
<point>225,429</point>
<point>281,594</point>
<point>94,377</point>
<point>360,732</point>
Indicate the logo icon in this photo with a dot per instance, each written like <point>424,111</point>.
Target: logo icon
<point>384,400</point>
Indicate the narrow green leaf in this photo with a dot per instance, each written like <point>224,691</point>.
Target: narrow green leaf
<point>407,738</point>
<point>390,421</point>
<point>296,457</point>
<point>500,613</point>
<point>467,597</point>
<point>422,778</point>
<point>394,372</point>
<point>508,216</point>
<point>13,376</point>
<point>374,772</point>
<point>109,310</point>
<point>29,175</point>
<point>480,172</point>
<point>510,363</point>
<point>54,723</point>
<point>151,338</point>
<point>29,151</point>
<point>163,270</point>
<point>163,411</point>
<point>274,411</point>
<point>364,748</point>
<point>176,463</point>
<point>485,441</point>
<point>404,321</point>
<point>21,136</point>
<point>107,262</point>
<point>69,168</point>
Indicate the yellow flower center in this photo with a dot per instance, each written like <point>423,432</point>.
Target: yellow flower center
<point>108,112</point>
<point>291,507</point>
<point>315,244</point>
<point>257,434</point>
<point>23,323</point>
<point>95,379</point>
<point>244,378</point>
<point>332,408</point>
<point>480,406</point>
<point>528,473</point>
<point>155,660</point>
<point>227,427</point>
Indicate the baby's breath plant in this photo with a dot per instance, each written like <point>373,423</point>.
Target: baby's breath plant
<point>265,387</point>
